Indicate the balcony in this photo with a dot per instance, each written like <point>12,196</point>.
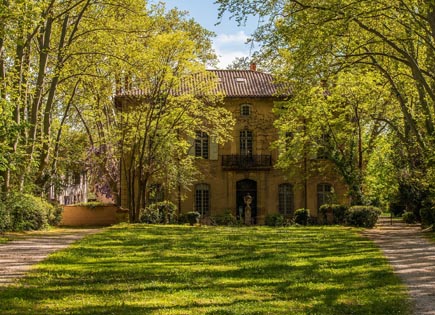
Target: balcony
<point>237,162</point>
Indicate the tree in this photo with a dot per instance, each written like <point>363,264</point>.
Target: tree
<point>338,121</point>
<point>239,63</point>
<point>178,98</point>
<point>60,64</point>
<point>311,41</point>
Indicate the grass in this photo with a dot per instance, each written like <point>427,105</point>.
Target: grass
<point>140,269</point>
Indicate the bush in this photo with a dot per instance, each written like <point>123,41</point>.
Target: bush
<point>275,219</point>
<point>338,213</point>
<point>409,217</point>
<point>362,216</point>
<point>428,217</point>
<point>159,212</point>
<point>193,217</point>
<point>302,216</point>
<point>54,213</point>
<point>225,219</point>
<point>27,212</point>
<point>5,218</point>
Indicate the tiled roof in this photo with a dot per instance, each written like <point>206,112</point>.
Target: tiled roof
<point>245,83</point>
<point>232,83</point>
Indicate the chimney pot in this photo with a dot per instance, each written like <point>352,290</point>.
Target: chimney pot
<point>253,66</point>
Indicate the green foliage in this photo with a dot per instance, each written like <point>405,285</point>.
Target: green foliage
<point>27,212</point>
<point>274,219</point>
<point>409,217</point>
<point>362,216</point>
<point>193,217</point>
<point>428,217</point>
<point>145,269</point>
<point>337,211</point>
<point>93,204</point>
<point>5,218</point>
<point>228,219</point>
<point>54,213</point>
<point>159,212</point>
<point>302,216</point>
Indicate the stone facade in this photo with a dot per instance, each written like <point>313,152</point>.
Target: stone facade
<point>246,165</point>
<point>229,182</point>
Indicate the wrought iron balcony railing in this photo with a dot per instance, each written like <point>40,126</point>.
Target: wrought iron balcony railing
<point>246,162</point>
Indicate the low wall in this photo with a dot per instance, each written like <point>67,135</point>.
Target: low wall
<point>99,215</point>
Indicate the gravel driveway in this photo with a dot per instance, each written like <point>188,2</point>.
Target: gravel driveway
<point>18,256</point>
<point>413,259</point>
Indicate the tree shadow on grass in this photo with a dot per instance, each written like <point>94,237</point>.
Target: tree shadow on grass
<point>152,269</point>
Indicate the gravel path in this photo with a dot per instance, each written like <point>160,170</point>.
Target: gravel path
<point>18,256</point>
<point>413,259</point>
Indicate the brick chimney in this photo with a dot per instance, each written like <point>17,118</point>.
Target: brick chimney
<point>253,66</point>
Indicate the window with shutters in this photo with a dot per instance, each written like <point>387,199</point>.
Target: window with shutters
<point>201,144</point>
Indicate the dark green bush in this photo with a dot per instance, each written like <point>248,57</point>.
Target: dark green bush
<point>5,218</point>
<point>362,216</point>
<point>159,212</point>
<point>427,217</point>
<point>338,213</point>
<point>54,213</point>
<point>275,219</point>
<point>302,216</point>
<point>193,217</point>
<point>228,218</point>
<point>27,212</point>
<point>409,217</point>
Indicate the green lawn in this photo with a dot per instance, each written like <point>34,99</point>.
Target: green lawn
<point>140,269</point>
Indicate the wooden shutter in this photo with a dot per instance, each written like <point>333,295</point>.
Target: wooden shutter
<point>214,149</point>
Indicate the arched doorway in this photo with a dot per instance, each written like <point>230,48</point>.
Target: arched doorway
<point>244,187</point>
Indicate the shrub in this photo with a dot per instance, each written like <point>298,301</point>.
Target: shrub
<point>409,217</point>
<point>193,217</point>
<point>159,212</point>
<point>302,216</point>
<point>225,219</point>
<point>428,217</point>
<point>27,212</point>
<point>275,219</point>
<point>54,213</point>
<point>362,216</point>
<point>5,218</point>
<point>338,213</point>
<point>150,215</point>
<point>93,204</point>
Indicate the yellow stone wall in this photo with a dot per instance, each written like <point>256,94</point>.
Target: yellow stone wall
<point>223,183</point>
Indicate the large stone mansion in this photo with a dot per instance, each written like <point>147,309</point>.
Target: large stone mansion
<point>245,166</point>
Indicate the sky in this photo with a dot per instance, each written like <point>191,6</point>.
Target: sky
<point>230,40</point>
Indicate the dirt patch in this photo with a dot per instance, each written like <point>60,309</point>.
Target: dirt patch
<point>413,259</point>
<point>18,256</point>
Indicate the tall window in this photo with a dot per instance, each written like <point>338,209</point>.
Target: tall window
<point>285,199</point>
<point>246,142</point>
<point>202,198</point>
<point>201,144</point>
<point>245,110</point>
<point>324,194</point>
